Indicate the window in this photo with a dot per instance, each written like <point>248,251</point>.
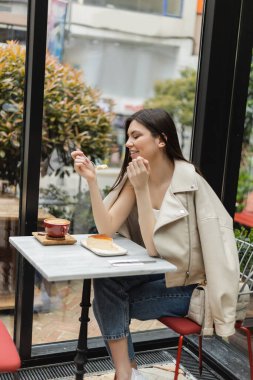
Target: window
<point>174,7</point>
<point>125,71</point>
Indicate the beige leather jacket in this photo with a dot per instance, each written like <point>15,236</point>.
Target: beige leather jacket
<point>194,232</point>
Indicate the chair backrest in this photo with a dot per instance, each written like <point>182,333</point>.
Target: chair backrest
<point>9,357</point>
<point>245,252</point>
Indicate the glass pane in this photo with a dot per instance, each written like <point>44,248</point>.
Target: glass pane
<point>245,184</point>
<point>243,218</point>
<point>12,57</point>
<point>101,70</point>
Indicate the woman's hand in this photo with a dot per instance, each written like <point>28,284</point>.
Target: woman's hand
<point>138,173</point>
<point>83,166</point>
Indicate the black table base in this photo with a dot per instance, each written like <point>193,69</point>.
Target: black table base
<point>82,349</point>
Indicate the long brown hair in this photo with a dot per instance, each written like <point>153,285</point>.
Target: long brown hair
<point>159,123</point>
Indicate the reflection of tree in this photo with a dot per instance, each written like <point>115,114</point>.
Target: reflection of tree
<point>176,96</point>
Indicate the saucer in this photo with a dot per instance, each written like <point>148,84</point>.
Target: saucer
<point>43,239</point>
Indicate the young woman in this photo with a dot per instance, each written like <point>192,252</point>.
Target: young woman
<point>161,202</point>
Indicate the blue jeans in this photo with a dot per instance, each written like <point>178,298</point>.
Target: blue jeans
<point>117,300</point>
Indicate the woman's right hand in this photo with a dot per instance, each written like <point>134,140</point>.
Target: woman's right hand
<point>83,166</point>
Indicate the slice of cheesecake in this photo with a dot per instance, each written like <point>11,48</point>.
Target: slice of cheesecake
<point>100,241</point>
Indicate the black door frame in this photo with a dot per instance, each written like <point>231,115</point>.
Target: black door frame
<point>222,89</point>
<point>30,167</point>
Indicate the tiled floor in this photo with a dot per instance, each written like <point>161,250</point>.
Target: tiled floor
<point>156,372</point>
<point>56,319</point>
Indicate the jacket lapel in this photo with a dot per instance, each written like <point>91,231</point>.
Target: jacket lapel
<point>171,210</point>
<point>183,180</point>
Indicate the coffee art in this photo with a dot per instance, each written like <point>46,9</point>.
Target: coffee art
<point>56,227</point>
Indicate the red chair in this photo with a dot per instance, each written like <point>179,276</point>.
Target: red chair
<point>246,330</point>
<point>9,357</point>
<point>183,326</point>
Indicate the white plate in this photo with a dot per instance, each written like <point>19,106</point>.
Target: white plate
<point>118,251</point>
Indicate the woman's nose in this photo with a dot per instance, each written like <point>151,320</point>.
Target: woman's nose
<point>129,142</point>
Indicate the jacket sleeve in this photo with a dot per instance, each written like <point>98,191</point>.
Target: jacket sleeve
<point>220,257</point>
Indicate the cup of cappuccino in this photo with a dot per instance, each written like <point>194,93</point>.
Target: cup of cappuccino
<point>56,227</point>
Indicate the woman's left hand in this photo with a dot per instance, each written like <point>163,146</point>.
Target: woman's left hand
<point>138,172</point>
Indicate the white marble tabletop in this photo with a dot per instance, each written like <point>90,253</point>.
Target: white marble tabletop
<point>72,262</point>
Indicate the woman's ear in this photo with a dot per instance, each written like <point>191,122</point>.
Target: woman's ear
<point>162,143</point>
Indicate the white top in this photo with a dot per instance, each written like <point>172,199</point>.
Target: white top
<point>156,212</point>
<point>72,262</point>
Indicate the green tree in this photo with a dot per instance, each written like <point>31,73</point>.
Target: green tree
<point>245,182</point>
<point>72,118</point>
<point>249,110</point>
<point>176,96</point>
